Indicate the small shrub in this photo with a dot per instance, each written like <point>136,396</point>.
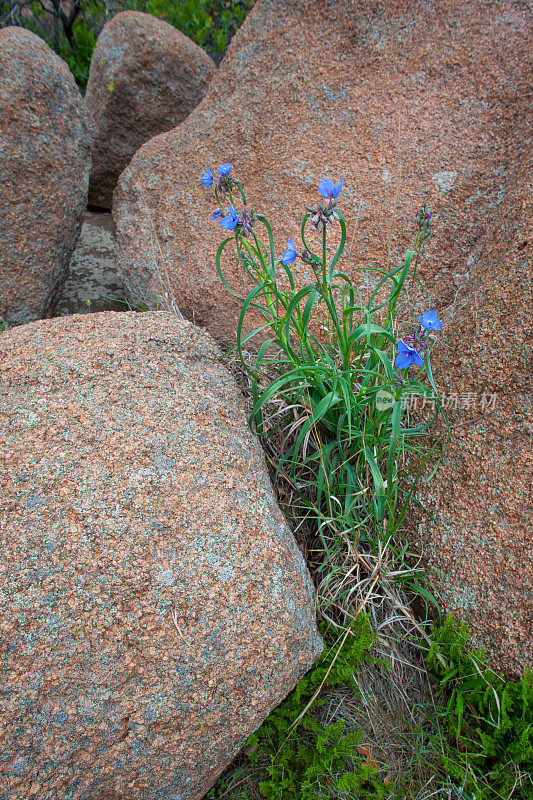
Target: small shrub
<point>209,23</point>
<point>78,54</point>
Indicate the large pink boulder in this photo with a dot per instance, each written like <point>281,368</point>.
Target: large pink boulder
<point>409,103</point>
<point>145,78</point>
<point>481,539</point>
<point>154,606</point>
<point>44,173</point>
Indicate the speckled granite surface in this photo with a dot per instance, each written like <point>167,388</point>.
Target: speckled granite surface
<point>481,539</point>
<point>383,94</point>
<point>44,173</point>
<point>154,604</point>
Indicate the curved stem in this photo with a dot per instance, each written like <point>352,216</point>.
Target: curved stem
<point>302,230</point>
<point>340,248</point>
<point>241,190</point>
<point>265,222</point>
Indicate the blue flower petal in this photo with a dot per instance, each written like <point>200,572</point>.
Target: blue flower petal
<point>407,355</point>
<point>216,213</point>
<point>326,188</point>
<point>224,169</point>
<point>403,360</point>
<point>337,188</point>
<point>230,222</point>
<point>429,321</point>
<point>207,178</point>
<point>288,257</point>
<point>290,254</point>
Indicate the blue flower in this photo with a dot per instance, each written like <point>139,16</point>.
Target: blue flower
<point>231,221</point>
<point>407,356</point>
<point>290,254</point>
<point>328,189</point>
<point>429,321</point>
<point>207,178</point>
<point>224,169</point>
<point>216,213</point>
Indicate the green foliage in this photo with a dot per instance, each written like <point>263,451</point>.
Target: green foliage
<point>478,741</point>
<point>303,759</point>
<point>78,56</point>
<point>354,465</point>
<point>488,721</point>
<point>209,23</point>
<point>192,17</point>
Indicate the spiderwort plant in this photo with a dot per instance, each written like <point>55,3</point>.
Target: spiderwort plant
<point>332,352</point>
<point>324,213</point>
<point>415,345</point>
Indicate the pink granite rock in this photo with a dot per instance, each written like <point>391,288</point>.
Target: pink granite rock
<point>145,78</point>
<point>154,605</point>
<point>482,498</point>
<point>409,102</point>
<point>44,172</point>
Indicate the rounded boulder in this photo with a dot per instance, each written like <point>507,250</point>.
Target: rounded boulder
<point>44,173</point>
<point>145,78</point>
<point>155,605</point>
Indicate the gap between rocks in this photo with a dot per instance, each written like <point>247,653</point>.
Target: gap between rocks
<point>92,283</point>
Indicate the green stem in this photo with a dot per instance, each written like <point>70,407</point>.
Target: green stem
<point>241,190</point>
